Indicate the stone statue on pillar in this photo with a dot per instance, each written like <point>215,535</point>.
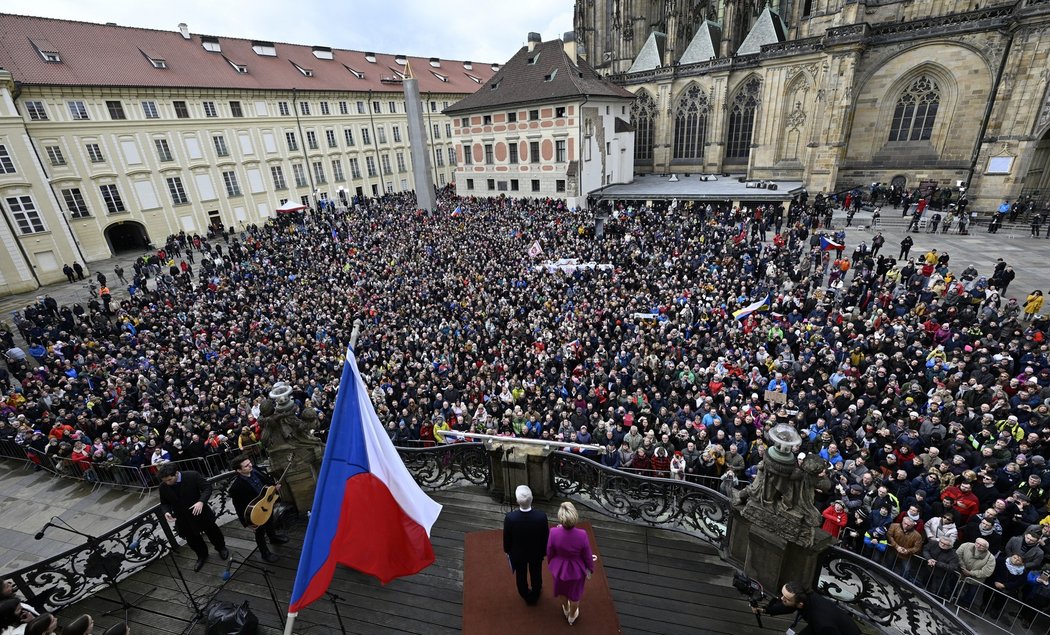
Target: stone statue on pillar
<point>288,440</point>
<point>776,523</point>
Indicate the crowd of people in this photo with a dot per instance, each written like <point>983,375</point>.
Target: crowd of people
<point>19,618</point>
<point>924,386</point>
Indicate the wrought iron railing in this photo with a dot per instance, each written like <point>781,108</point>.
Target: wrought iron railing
<point>80,572</point>
<point>448,465</point>
<point>656,502</point>
<point>882,598</point>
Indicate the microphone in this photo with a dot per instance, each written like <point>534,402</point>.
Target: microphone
<point>40,534</point>
<point>227,574</point>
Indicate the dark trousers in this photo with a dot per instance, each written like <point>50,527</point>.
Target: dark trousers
<point>262,533</point>
<point>534,571</point>
<point>196,541</point>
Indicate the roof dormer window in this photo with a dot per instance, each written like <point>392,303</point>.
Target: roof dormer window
<point>441,77</point>
<point>211,44</point>
<point>370,57</point>
<point>468,65</point>
<point>47,51</point>
<point>305,71</point>
<point>240,68</point>
<point>400,60</point>
<point>495,85</point>
<point>158,63</point>
<point>532,60</point>
<point>435,62</point>
<point>550,77</point>
<point>358,74</point>
<point>266,49</point>
<point>476,80</point>
<point>323,53</point>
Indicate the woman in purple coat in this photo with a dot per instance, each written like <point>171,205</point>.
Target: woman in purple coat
<point>570,560</point>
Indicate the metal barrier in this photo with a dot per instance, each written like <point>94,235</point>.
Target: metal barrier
<point>113,474</point>
<point>963,596</point>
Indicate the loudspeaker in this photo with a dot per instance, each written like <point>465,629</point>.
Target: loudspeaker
<point>772,186</point>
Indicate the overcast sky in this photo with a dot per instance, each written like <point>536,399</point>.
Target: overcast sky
<point>476,30</point>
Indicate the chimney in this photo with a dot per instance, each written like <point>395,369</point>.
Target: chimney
<point>568,42</point>
<point>184,30</point>
<point>534,39</point>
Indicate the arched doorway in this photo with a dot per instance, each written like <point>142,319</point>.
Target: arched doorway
<point>1037,180</point>
<point>126,236</point>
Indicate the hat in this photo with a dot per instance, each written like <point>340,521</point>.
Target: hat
<point>1034,531</point>
<point>1038,460</point>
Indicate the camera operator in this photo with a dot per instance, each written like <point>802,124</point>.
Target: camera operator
<point>823,616</point>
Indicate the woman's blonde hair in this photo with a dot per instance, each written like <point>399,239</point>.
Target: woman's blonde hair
<point>567,515</point>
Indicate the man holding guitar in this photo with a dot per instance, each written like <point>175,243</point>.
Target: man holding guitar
<point>254,494</point>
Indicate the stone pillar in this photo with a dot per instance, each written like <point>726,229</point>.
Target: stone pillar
<point>419,149</point>
<point>514,465</point>
<point>774,529</point>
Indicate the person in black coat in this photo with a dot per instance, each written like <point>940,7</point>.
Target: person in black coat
<point>823,616</point>
<point>525,532</point>
<point>184,501</point>
<point>244,489</point>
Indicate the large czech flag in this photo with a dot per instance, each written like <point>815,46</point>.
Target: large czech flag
<point>368,512</point>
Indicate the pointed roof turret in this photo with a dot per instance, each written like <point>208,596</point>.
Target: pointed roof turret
<point>704,45</point>
<point>768,29</point>
<point>651,54</point>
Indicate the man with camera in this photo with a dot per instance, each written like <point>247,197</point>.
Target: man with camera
<point>822,615</point>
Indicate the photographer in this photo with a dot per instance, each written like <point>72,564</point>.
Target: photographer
<point>823,616</point>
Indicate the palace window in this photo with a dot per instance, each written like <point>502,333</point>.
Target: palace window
<point>690,124</point>
<point>643,117</point>
<point>916,111</point>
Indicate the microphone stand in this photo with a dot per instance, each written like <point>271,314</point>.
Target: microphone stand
<point>338,616</point>
<point>111,578</point>
<point>266,573</point>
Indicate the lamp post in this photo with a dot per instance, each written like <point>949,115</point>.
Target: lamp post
<point>302,140</point>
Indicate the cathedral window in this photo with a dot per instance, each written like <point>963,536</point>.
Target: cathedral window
<point>690,124</point>
<point>742,120</point>
<point>643,117</point>
<point>916,111</point>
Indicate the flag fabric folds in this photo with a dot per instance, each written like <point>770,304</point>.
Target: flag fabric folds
<point>755,307</point>
<point>535,251</point>
<point>368,512</point>
<point>828,245</point>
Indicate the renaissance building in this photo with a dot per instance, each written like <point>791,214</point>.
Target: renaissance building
<point>836,94</point>
<point>113,137</point>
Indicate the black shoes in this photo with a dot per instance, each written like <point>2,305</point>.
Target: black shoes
<point>278,539</point>
<point>270,557</point>
<point>224,553</point>
<point>200,563</point>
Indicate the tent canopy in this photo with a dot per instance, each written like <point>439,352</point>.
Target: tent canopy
<point>290,206</point>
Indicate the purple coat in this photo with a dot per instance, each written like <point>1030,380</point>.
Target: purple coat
<point>569,554</point>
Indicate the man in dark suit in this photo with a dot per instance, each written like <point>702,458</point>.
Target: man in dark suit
<point>823,616</point>
<point>244,489</point>
<point>184,501</point>
<point>525,533</point>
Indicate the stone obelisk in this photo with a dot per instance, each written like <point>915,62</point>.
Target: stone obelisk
<point>417,141</point>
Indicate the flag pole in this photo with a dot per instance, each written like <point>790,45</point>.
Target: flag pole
<point>353,344</point>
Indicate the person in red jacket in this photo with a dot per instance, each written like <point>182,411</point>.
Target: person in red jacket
<point>835,518</point>
<point>963,500</point>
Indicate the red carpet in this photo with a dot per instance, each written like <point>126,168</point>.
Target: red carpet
<point>491,603</point>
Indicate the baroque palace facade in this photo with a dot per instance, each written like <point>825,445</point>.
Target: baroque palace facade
<point>114,137</point>
<point>835,93</point>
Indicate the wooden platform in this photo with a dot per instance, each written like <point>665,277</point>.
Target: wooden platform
<point>662,582</point>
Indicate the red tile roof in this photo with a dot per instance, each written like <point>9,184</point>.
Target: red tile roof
<point>108,55</point>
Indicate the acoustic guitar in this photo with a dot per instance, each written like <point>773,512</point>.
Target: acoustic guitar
<point>258,512</point>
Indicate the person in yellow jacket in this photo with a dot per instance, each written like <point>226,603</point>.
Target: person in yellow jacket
<point>1033,304</point>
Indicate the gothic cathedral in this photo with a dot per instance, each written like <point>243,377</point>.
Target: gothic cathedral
<point>836,93</point>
